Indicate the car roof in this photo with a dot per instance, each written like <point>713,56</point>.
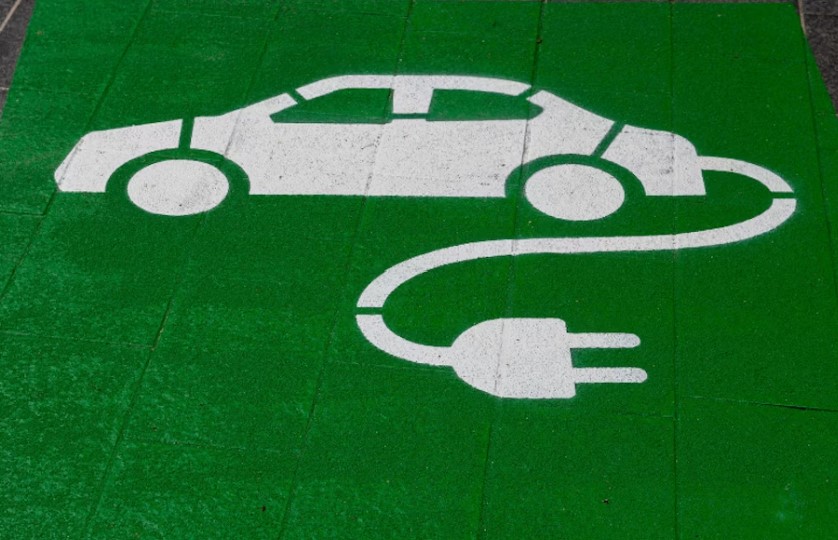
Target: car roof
<point>412,93</point>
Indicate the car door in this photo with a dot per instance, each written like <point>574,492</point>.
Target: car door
<point>314,147</point>
<point>437,155</point>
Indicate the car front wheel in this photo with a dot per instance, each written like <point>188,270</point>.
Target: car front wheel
<point>178,187</point>
<point>574,192</point>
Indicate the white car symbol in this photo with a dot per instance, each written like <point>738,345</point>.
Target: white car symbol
<point>408,156</point>
<point>569,161</point>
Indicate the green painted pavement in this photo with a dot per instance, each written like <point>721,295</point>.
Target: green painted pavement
<point>204,375</point>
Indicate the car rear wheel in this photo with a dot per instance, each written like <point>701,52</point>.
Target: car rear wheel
<point>178,187</point>
<point>574,192</point>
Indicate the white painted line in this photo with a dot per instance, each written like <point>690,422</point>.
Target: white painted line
<point>377,332</point>
<point>377,292</point>
<point>9,15</point>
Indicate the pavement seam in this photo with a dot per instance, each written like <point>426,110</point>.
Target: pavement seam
<point>19,214</point>
<point>319,383</point>
<point>808,67</point>
<point>38,335</point>
<point>175,288</point>
<point>135,393</point>
<point>216,15</point>
<point>304,440</point>
<point>675,259</point>
<point>483,508</point>
<point>102,484</point>
<point>510,288</point>
<point>800,408</point>
<point>101,98</point>
<point>23,254</point>
<point>207,446</point>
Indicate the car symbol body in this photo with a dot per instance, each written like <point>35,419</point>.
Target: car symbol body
<point>406,156</point>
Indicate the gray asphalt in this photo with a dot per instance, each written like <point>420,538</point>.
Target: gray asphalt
<point>11,39</point>
<point>819,19</point>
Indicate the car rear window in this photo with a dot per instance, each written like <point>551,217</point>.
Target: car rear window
<point>374,106</point>
<point>349,106</point>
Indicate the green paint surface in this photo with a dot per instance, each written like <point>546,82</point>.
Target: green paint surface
<point>203,376</point>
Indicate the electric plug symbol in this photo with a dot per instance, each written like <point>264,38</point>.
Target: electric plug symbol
<point>532,358</point>
<point>514,357</point>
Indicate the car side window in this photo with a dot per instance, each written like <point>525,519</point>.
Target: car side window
<point>464,105</point>
<point>347,106</point>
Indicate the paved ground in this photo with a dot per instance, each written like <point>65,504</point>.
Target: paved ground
<point>818,17</point>
<point>14,17</point>
<point>274,368</point>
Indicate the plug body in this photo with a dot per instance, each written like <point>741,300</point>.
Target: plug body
<point>532,358</point>
<point>513,358</point>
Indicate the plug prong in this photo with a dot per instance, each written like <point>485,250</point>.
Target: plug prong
<point>602,341</point>
<point>609,375</point>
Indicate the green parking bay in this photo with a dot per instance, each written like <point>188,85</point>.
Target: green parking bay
<point>428,269</point>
